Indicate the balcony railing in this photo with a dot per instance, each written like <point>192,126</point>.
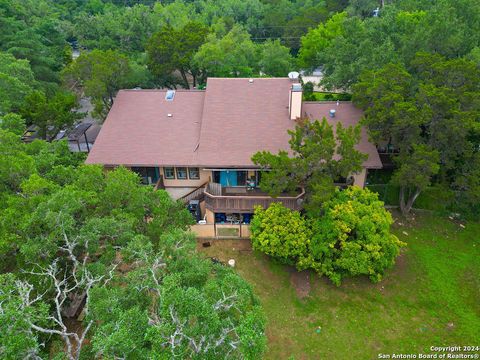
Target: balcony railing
<point>218,199</point>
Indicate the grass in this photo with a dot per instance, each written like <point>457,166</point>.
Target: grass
<point>431,297</point>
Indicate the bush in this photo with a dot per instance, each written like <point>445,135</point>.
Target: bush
<point>280,233</point>
<point>352,237</point>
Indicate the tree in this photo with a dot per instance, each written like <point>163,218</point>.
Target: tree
<point>174,304</point>
<point>352,237</point>
<point>70,287</point>
<point>100,74</point>
<point>15,164</point>
<point>319,159</point>
<point>234,55</point>
<point>318,39</point>
<point>275,59</point>
<point>414,173</point>
<point>16,334</point>
<point>403,28</point>
<point>51,114</point>
<point>13,123</point>
<point>16,82</point>
<point>171,50</point>
<point>427,114</point>
<point>123,28</point>
<point>280,232</point>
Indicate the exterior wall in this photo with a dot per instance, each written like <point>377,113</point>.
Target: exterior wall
<point>225,230</point>
<point>187,183</point>
<point>203,231</point>
<point>360,178</point>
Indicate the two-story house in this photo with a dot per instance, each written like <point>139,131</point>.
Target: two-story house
<point>198,144</point>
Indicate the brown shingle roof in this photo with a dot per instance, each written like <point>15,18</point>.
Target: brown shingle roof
<point>241,118</point>
<point>220,127</point>
<point>139,132</point>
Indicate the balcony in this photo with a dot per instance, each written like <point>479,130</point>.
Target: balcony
<point>241,200</point>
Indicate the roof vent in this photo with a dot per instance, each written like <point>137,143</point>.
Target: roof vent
<point>170,95</point>
<point>332,113</point>
<point>169,115</point>
<point>250,81</point>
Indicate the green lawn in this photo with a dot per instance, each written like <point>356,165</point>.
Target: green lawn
<point>431,297</point>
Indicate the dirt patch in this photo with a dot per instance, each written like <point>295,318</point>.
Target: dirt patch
<point>300,280</point>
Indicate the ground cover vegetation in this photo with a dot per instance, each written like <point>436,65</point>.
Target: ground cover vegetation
<point>429,296</point>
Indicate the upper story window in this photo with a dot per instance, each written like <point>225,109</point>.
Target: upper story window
<point>194,173</point>
<point>169,172</point>
<point>181,173</point>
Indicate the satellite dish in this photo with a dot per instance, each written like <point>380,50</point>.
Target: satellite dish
<point>293,75</point>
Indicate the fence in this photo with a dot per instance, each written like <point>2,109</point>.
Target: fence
<point>234,231</point>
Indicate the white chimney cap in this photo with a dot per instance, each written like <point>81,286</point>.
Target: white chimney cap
<point>332,112</point>
<point>169,115</point>
<point>250,81</point>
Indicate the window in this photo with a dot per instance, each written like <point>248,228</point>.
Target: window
<point>241,178</point>
<point>149,175</point>
<point>181,173</point>
<point>169,173</point>
<point>193,173</point>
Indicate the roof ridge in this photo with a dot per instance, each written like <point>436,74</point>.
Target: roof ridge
<point>161,90</point>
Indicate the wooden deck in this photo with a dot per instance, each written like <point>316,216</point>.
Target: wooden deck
<point>240,200</point>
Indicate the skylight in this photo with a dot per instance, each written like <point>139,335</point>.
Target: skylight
<point>170,95</point>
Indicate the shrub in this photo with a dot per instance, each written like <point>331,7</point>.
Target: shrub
<point>280,233</point>
<point>352,237</point>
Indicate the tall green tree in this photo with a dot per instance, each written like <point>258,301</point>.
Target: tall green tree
<point>319,158</point>
<point>429,114</point>
<point>16,82</point>
<point>275,59</point>
<point>100,74</point>
<point>51,114</point>
<point>315,42</point>
<point>170,50</point>
<point>233,55</point>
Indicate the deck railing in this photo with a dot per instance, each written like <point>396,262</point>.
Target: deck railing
<point>215,201</point>
<point>195,194</point>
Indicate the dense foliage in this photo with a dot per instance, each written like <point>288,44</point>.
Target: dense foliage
<point>76,240</point>
<point>319,158</point>
<point>280,233</point>
<point>349,236</point>
<point>430,115</point>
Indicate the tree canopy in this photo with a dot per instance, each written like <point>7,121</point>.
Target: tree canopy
<point>319,158</point>
<point>430,114</point>
<point>76,241</point>
<point>100,74</point>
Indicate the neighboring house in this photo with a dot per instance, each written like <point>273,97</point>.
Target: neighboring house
<point>198,144</point>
